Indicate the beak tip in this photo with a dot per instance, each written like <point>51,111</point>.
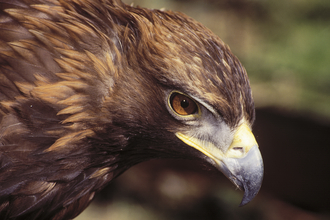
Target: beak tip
<point>243,203</point>
<point>251,188</point>
<point>246,173</point>
<point>248,196</point>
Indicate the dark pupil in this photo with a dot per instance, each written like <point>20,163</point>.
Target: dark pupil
<point>184,103</point>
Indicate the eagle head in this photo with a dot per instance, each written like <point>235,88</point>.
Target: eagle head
<point>90,88</point>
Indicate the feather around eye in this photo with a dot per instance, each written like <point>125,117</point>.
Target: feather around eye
<point>183,105</point>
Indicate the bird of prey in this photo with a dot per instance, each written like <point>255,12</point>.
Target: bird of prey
<point>89,88</point>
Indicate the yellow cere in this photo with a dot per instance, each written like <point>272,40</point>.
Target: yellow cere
<point>243,141</point>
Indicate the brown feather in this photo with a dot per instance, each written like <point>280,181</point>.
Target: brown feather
<point>81,96</point>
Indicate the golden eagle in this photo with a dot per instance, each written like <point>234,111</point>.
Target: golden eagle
<point>89,88</point>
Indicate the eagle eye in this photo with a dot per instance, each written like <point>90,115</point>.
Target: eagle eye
<point>182,104</point>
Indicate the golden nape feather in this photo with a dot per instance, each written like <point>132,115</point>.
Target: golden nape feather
<point>89,88</point>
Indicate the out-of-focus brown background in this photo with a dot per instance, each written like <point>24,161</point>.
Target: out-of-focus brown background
<point>285,47</point>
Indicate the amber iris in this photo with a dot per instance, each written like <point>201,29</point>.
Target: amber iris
<point>182,104</point>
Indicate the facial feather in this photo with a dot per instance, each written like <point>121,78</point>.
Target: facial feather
<point>83,89</point>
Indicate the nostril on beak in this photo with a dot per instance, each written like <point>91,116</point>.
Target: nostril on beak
<point>241,149</point>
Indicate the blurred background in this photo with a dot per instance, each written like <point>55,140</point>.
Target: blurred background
<point>285,47</point>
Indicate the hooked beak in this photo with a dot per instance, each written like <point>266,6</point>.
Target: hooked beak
<point>246,173</point>
<point>241,163</point>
